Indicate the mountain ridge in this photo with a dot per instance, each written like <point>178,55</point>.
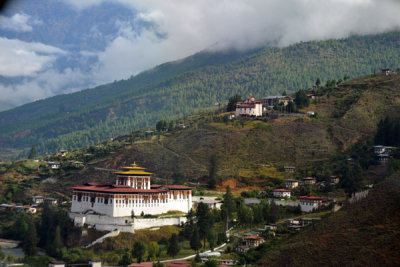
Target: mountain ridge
<point>119,107</point>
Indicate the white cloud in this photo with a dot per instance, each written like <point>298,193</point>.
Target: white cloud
<point>187,27</point>
<point>19,58</point>
<point>79,4</point>
<point>48,84</point>
<point>19,22</point>
<point>169,30</point>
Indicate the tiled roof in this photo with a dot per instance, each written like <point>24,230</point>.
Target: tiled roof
<point>281,190</point>
<point>107,188</point>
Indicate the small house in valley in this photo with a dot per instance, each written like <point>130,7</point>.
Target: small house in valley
<point>334,180</point>
<point>309,180</point>
<point>289,168</point>
<point>290,184</point>
<point>53,165</point>
<point>280,193</point>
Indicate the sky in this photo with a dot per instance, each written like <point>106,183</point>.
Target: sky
<point>156,31</point>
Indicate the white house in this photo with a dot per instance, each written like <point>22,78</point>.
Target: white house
<point>37,199</point>
<point>281,193</point>
<point>291,183</point>
<point>249,108</point>
<point>289,169</point>
<point>379,149</point>
<point>310,203</point>
<point>53,165</point>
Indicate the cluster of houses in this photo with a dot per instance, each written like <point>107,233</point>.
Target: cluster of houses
<point>55,165</point>
<point>255,108</point>
<point>36,201</point>
<point>307,203</point>
<point>18,207</point>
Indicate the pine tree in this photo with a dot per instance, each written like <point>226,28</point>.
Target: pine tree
<point>138,251</point>
<point>173,246</point>
<point>228,207</point>
<point>32,153</point>
<point>195,243</point>
<point>31,240</point>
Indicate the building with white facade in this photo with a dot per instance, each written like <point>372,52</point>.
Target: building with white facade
<point>281,193</point>
<point>131,193</point>
<point>291,183</point>
<point>310,203</point>
<point>249,108</point>
<point>109,206</point>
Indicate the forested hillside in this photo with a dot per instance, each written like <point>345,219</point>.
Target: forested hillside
<point>176,89</point>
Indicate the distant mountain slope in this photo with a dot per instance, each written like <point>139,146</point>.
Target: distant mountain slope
<point>176,89</point>
<point>304,142</point>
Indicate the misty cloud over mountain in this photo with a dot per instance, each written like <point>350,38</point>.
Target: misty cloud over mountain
<point>52,47</point>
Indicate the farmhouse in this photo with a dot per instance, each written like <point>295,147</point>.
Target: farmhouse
<point>281,193</point>
<point>291,183</point>
<point>53,165</point>
<point>249,108</point>
<point>334,180</point>
<point>309,180</point>
<point>289,168</point>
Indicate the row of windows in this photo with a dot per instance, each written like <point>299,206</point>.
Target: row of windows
<point>118,201</point>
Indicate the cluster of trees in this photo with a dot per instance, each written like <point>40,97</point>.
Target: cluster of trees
<point>52,231</point>
<point>388,132</point>
<point>165,125</point>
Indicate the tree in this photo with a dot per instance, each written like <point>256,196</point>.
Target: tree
<point>212,238</point>
<point>57,243</point>
<point>126,260</point>
<point>204,220</point>
<point>232,102</point>
<point>301,99</point>
<point>153,249</point>
<point>228,207</point>
<point>173,246</point>
<point>351,180</point>
<point>195,243</point>
<point>31,240</point>
<point>318,82</point>
<point>32,153</point>
<point>245,214</point>
<point>138,251</point>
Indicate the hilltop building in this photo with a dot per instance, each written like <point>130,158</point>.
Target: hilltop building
<point>249,108</point>
<point>130,194</point>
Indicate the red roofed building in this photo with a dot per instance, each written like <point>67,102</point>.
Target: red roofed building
<point>281,193</point>
<point>249,108</point>
<point>131,193</point>
<point>310,202</point>
<point>179,264</point>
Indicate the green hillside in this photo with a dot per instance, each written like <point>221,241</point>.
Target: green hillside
<point>249,152</point>
<point>180,88</point>
<point>362,234</point>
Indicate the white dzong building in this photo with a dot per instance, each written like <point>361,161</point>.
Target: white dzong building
<point>249,108</point>
<point>131,193</point>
